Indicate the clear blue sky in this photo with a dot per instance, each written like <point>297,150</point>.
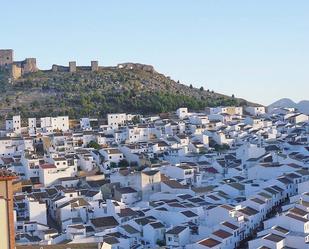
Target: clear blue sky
<point>258,49</point>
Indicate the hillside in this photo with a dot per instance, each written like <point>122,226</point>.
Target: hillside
<point>111,89</point>
<point>302,106</point>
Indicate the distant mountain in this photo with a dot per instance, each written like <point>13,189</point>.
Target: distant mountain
<point>283,103</point>
<point>302,106</point>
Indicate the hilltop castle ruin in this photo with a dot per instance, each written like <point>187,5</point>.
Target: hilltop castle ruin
<point>19,68</point>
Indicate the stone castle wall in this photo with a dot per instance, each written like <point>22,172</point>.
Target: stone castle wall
<point>17,68</point>
<point>129,65</point>
<point>16,71</point>
<point>72,68</point>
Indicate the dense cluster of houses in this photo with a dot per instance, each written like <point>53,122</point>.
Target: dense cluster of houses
<point>227,177</point>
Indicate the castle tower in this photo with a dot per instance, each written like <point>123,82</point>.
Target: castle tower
<point>16,71</point>
<point>6,57</point>
<point>94,66</point>
<point>29,65</point>
<point>54,68</point>
<point>7,238</point>
<point>72,66</point>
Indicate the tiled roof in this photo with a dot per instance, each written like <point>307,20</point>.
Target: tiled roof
<point>209,242</point>
<point>274,237</point>
<point>108,221</point>
<point>230,225</point>
<point>48,166</point>
<point>176,230</point>
<point>6,174</point>
<point>222,234</point>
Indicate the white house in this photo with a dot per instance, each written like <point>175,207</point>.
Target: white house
<point>177,236</point>
<point>37,211</point>
<point>182,112</point>
<point>13,125</point>
<point>154,232</point>
<point>116,119</point>
<point>255,110</point>
<point>49,124</point>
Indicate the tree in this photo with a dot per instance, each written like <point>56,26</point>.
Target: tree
<point>222,147</point>
<point>93,144</point>
<point>133,164</point>
<point>161,243</point>
<point>35,104</point>
<point>191,86</point>
<point>7,100</point>
<point>113,165</point>
<point>201,88</point>
<point>136,119</point>
<point>123,163</point>
<point>233,96</point>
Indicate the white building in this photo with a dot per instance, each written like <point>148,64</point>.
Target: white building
<point>49,124</point>
<point>37,211</point>
<point>255,110</point>
<point>31,122</point>
<point>178,236</point>
<point>231,110</point>
<point>13,125</point>
<point>116,119</point>
<point>182,113</point>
